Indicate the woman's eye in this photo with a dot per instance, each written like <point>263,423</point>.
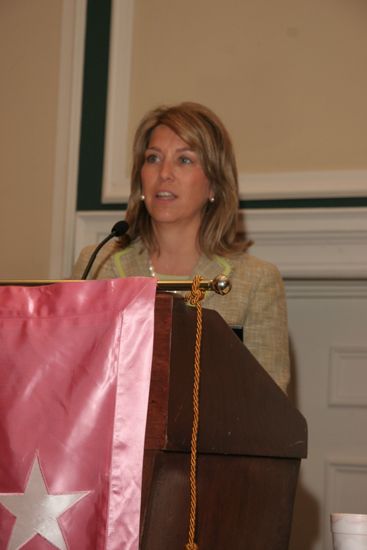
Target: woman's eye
<point>151,159</point>
<point>185,160</point>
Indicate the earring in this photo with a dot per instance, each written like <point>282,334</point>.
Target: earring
<point>142,198</point>
<point>212,199</point>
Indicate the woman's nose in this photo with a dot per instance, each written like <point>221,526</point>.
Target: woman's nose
<point>167,169</point>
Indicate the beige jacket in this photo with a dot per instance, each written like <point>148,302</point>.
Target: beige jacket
<point>256,302</point>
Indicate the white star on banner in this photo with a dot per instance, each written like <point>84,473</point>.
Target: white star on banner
<point>36,511</point>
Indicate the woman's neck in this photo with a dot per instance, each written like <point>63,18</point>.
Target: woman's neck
<point>178,251</point>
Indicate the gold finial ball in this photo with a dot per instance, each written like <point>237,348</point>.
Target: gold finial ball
<point>221,284</point>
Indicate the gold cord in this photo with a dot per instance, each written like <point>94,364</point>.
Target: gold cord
<point>194,298</point>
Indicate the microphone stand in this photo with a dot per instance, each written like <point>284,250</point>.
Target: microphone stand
<point>118,229</point>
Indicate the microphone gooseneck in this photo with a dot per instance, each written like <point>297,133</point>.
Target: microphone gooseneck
<point>119,229</point>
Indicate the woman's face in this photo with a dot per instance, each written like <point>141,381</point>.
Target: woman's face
<point>173,181</point>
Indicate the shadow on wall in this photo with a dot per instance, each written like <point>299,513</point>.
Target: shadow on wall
<point>306,515</point>
<point>306,519</point>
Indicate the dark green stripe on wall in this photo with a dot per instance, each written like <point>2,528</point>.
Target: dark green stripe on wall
<point>342,202</point>
<point>94,106</point>
<point>94,117</point>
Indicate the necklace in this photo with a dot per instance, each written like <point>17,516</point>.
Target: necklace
<point>152,273</point>
<point>151,268</point>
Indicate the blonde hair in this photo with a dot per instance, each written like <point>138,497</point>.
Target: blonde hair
<point>202,130</point>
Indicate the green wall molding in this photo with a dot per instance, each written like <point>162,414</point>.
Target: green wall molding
<point>94,118</point>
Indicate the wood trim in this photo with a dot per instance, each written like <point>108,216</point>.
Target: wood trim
<point>68,135</point>
<point>115,185</point>
<point>302,185</point>
<point>319,243</point>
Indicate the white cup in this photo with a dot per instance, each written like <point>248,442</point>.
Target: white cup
<point>349,531</point>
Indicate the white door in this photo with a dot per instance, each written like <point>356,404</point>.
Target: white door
<point>328,330</point>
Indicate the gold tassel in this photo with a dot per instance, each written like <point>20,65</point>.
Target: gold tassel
<point>194,298</point>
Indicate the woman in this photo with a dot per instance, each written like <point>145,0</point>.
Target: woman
<point>182,216</point>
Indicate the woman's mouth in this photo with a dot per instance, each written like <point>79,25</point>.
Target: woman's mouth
<point>166,195</point>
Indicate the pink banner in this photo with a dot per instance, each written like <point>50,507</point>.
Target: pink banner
<point>75,362</point>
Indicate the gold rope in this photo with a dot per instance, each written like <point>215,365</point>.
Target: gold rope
<point>194,298</point>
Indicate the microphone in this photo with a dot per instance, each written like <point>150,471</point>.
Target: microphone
<point>118,229</point>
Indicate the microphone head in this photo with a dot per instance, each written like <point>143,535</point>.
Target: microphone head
<point>119,228</point>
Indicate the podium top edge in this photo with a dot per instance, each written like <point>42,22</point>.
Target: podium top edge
<point>220,285</point>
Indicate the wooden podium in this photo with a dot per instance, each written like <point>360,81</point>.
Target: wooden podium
<point>251,441</point>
